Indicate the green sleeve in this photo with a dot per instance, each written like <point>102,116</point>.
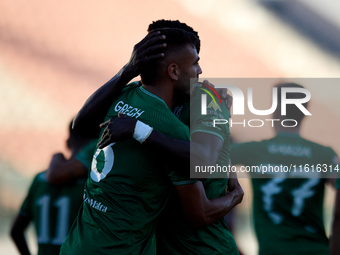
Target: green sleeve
<point>215,110</point>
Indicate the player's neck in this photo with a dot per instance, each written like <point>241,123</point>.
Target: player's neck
<point>164,91</point>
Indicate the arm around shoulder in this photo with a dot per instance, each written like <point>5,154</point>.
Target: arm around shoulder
<point>62,170</point>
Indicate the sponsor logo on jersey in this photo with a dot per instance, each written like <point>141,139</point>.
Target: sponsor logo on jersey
<point>213,104</point>
<point>95,204</point>
<point>178,110</point>
<point>128,110</point>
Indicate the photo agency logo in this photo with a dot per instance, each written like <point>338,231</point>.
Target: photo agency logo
<point>209,103</point>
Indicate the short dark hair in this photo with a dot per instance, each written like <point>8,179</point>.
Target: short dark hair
<point>292,111</point>
<point>158,24</point>
<point>176,39</point>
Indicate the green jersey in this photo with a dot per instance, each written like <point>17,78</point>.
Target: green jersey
<point>288,201</point>
<point>53,209</point>
<point>128,185</point>
<point>174,234</point>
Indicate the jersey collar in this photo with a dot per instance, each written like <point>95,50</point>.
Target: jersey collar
<point>151,94</point>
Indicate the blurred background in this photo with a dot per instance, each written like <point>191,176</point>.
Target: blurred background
<point>55,54</point>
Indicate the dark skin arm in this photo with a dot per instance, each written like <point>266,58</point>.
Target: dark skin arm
<point>93,112</point>
<point>201,211</point>
<point>122,128</point>
<point>17,233</point>
<point>62,170</point>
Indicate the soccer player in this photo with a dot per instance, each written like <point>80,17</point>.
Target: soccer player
<point>52,208</point>
<point>212,209</point>
<point>288,205</point>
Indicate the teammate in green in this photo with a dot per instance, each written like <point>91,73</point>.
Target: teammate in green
<point>287,205</point>
<point>128,186</point>
<point>52,208</point>
<point>213,237</point>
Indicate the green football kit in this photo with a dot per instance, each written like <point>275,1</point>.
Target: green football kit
<point>174,234</point>
<point>128,185</point>
<point>53,209</point>
<point>288,174</point>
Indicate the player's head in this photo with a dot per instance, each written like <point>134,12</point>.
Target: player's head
<point>174,24</point>
<point>179,64</point>
<point>292,111</point>
<point>75,141</point>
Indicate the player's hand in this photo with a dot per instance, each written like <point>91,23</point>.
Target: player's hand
<point>117,129</point>
<point>58,157</point>
<point>143,52</point>
<point>223,93</point>
<point>234,186</point>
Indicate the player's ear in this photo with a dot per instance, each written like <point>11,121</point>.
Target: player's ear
<point>173,71</point>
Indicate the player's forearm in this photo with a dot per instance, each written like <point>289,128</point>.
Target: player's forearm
<point>171,147</point>
<point>201,211</point>
<point>182,150</point>
<point>93,112</point>
<point>57,175</point>
<point>62,171</point>
<point>17,234</point>
<point>124,127</point>
<point>219,207</point>
<point>20,243</point>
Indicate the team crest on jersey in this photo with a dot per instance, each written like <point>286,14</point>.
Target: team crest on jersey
<point>336,160</point>
<point>214,105</point>
<point>178,110</point>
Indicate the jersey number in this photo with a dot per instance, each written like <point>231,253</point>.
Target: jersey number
<point>99,172</point>
<point>63,205</point>
<point>299,194</point>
